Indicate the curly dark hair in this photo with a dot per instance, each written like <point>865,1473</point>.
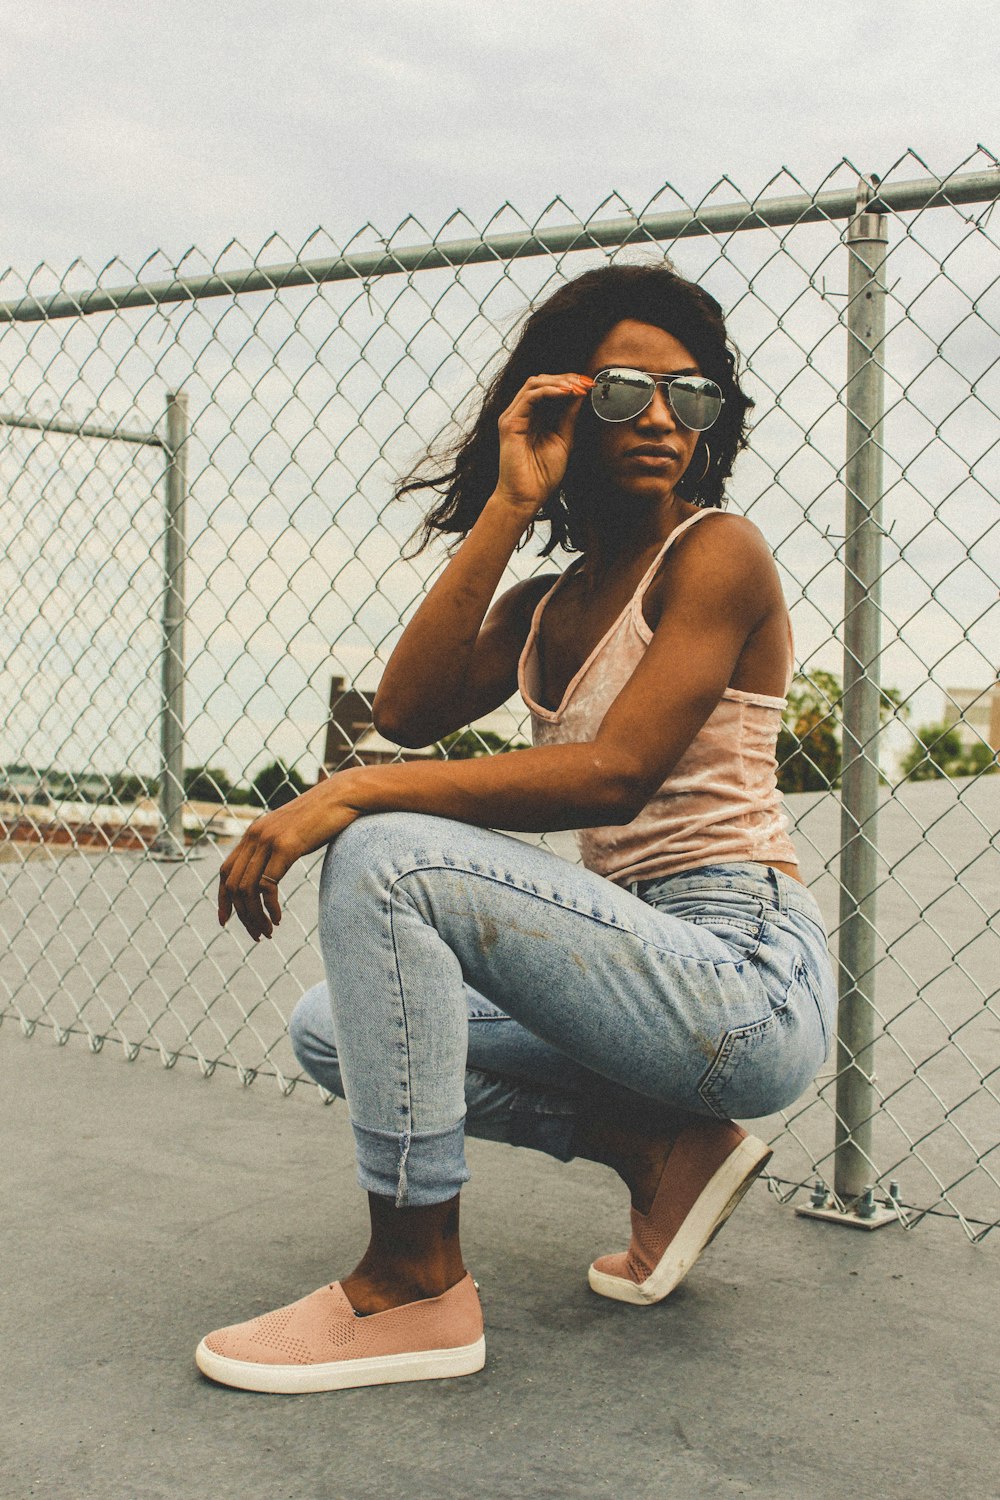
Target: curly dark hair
<point>561,334</point>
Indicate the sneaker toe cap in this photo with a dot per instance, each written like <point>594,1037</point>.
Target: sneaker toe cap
<point>614,1265</point>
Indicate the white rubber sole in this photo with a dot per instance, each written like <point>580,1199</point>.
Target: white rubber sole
<point>341,1374</point>
<point>735,1177</point>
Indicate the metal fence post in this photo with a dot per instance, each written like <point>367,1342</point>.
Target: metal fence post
<point>856,1105</point>
<point>170,841</point>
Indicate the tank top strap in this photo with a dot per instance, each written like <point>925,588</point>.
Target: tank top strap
<point>527,661</point>
<point>699,515</point>
<point>650,572</point>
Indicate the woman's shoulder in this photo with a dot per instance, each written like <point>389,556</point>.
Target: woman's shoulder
<point>725,529</point>
<point>724,551</point>
<point>720,537</point>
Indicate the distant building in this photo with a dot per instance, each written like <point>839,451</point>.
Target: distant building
<point>974,713</point>
<point>351,736</point>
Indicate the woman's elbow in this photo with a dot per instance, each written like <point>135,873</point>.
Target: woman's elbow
<point>625,790</point>
<point>395,728</point>
<point>408,730</point>
<point>388,721</point>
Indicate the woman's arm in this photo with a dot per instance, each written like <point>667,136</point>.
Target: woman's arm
<point>447,669</point>
<point>549,787</point>
<point>725,587</point>
<point>450,667</point>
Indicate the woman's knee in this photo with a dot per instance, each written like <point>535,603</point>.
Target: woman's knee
<point>366,861</point>
<point>387,842</point>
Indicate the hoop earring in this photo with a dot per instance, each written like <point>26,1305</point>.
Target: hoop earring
<point>708,463</point>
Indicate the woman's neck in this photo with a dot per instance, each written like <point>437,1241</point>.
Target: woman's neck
<point>613,539</point>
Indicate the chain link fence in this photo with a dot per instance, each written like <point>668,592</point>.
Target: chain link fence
<point>202,574</point>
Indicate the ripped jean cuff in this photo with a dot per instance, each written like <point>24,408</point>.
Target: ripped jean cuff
<point>413,1170</point>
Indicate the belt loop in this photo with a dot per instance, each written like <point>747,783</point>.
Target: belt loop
<point>780,894</point>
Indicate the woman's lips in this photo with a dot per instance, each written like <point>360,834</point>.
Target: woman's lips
<point>651,458</point>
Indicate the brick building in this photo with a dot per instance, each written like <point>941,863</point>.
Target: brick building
<point>351,737</point>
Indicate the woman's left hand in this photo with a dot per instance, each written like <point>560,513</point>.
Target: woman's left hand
<point>248,879</point>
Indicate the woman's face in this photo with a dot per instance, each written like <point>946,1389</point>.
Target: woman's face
<point>646,456</point>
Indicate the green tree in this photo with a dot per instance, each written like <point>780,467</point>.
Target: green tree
<point>809,740</point>
<point>207,784</point>
<point>276,784</point>
<point>939,751</point>
<point>129,788</point>
<point>470,744</point>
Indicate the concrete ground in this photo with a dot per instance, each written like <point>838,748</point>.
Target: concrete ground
<point>144,1207</point>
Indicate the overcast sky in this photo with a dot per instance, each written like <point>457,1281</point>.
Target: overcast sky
<point>129,126</point>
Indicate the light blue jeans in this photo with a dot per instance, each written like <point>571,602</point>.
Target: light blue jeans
<point>475,983</point>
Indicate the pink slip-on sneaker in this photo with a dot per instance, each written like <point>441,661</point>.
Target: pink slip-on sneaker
<point>710,1166</point>
<point>321,1344</point>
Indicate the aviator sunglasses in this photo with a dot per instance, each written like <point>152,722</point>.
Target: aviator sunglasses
<point>620,394</point>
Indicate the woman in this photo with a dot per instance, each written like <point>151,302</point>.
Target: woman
<point>625,1011</point>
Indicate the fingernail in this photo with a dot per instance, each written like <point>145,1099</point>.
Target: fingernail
<point>586,382</point>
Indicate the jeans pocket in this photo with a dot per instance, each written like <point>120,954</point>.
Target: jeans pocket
<point>728,1074</point>
<point>734,917</point>
<point>741,933</point>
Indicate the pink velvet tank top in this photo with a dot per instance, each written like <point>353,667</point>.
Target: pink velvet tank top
<point>719,805</point>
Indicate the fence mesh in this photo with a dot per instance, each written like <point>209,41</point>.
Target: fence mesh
<point>305,403</point>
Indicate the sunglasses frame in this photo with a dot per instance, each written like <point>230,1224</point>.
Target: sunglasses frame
<point>664,380</point>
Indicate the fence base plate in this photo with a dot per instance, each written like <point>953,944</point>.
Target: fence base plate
<point>850,1218</point>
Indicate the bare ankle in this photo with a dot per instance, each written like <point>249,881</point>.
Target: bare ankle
<point>413,1254</point>
<point>372,1289</point>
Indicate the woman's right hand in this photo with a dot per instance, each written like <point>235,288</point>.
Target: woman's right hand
<point>536,438</point>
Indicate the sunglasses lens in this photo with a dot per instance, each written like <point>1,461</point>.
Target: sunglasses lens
<point>696,401</point>
<point>619,395</point>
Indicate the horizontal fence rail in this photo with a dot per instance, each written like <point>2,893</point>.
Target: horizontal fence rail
<point>729,218</point>
<point>203,574</point>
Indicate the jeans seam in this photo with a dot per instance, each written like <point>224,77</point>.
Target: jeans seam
<point>406,1136</point>
<point>754,930</point>
<point>804,975</point>
<point>711,963</point>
